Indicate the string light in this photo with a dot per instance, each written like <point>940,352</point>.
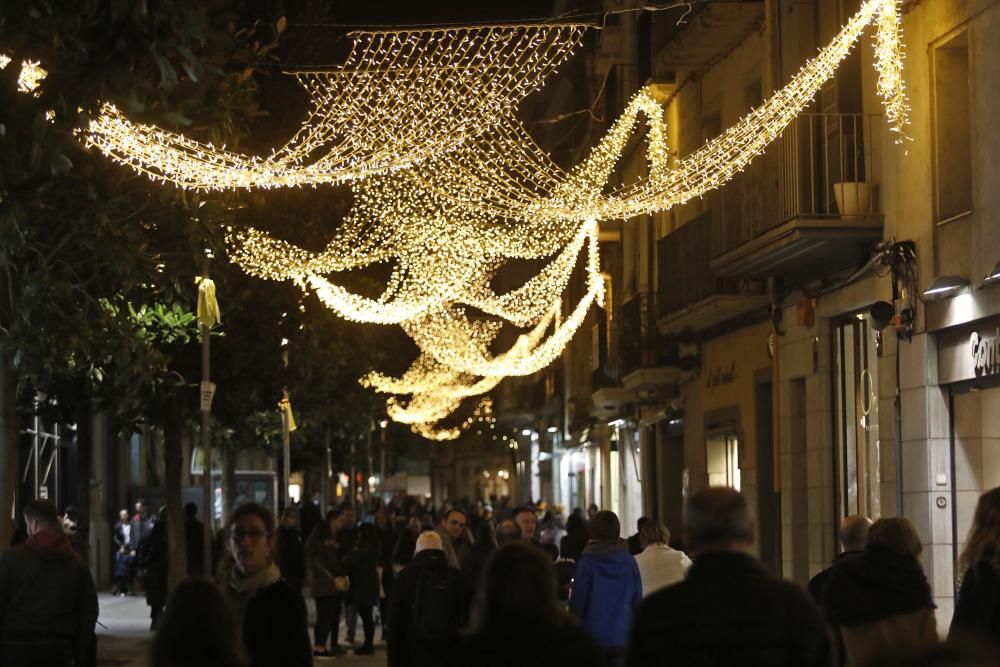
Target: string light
<point>400,98</point>
<point>450,188</point>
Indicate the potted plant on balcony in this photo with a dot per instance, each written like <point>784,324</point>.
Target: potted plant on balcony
<point>853,193</point>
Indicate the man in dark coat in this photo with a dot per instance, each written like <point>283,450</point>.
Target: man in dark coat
<point>728,611</point>
<point>853,535</point>
<point>48,603</point>
<point>428,608</point>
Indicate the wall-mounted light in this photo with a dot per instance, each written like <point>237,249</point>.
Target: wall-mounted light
<point>552,429</point>
<point>617,422</point>
<point>526,432</point>
<point>945,286</point>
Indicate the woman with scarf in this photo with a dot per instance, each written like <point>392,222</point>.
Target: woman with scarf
<point>880,601</point>
<point>270,613</point>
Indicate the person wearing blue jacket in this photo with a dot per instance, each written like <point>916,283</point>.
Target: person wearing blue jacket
<point>607,586</point>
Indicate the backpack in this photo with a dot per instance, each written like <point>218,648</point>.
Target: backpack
<point>436,614</point>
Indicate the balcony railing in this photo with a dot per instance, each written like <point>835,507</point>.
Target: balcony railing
<point>640,344</point>
<point>822,166</point>
<point>604,359</point>
<point>683,258</point>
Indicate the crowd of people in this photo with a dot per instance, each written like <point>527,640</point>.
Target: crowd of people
<point>465,587</point>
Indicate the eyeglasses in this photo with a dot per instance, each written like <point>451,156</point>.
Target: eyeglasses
<point>254,535</point>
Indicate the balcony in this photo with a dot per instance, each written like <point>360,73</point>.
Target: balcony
<point>692,297</point>
<point>608,394</point>
<point>807,208</point>
<point>648,361</point>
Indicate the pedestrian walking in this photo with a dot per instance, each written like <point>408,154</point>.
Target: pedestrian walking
<point>154,565</point>
<point>517,618</point>
<point>728,610</point>
<point>450,529</point>
<point>635,540</point>
<point>362,566</point>
<point>48,602</point>
<point>881,600</point>
<point>387,538</point>
<point>508,532</point>
<point>977,610</point>
<point>429,606</point>
<point>328,581</point>
<point>291,554</point>
<point>607,587</point>
<point>659,565</point>
<point>572,545</point>
<point>525,518</point>
<point>121,557</point>
<point>482,548</point>
<point>853,537</point>
<point>197,629</point>
<point>406,544</point>
<point>270,615</point>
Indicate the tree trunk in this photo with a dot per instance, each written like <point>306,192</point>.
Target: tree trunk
<point>84,463</point>
<point>173,430</point>
<point>8,448</point>
<point>228,482</point>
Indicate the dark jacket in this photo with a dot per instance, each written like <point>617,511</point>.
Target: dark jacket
<point>153,559</point>
<point>362,566</point>
<point>291,556</point>
<point>729,611</point>
<point>878,601</point>
<point>194,535</point>
<point>476,560</point>
<point>607,589</point>
<point>140,529</point>
<point>406,544</point>
<point>406,647</point>
<point>529,646</point>
<point>818,583</point>
<point>977,610</point>
<point>119,535</point>
<point>276,628</point>
<point>46,592</point>
<point>573,544</point>
<point>324,564</point>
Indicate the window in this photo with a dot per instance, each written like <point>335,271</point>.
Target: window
<point>856,416</point>
<point>952,135</point>
<point>723,460</point>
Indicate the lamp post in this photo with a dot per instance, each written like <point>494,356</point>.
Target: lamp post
<point>207,393</point>
<point>286,430</point>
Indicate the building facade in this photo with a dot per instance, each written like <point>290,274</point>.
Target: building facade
<point>822,332</point>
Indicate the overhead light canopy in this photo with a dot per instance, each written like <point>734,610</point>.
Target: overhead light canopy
<point>946,285</point>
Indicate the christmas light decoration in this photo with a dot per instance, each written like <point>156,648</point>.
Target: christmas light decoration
<point>450,189</point>
<point>400,98</point>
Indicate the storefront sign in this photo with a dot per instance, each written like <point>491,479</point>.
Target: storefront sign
<point>969,353</point>
<point>985,353</point>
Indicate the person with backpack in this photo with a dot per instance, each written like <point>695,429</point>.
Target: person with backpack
<point>428,607</point>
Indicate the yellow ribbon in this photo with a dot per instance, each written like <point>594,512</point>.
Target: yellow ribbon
<point>208,306</point>
<point>286,412</point>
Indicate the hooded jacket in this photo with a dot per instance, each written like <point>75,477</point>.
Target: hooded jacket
<point>47,593</point>
<point>607,588</point>
<point>877,601</point>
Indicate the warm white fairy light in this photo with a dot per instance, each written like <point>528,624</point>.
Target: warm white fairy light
<point>449,188</point>
<point>400,98</point>
<point>31,77</point>
<point>4,61</point>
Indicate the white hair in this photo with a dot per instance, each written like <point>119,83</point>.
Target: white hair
<point>428,540</point>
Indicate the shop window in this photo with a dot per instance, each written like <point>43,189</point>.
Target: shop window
<point>856,416</point>
<point>952,134</point>
<point>722,453</point>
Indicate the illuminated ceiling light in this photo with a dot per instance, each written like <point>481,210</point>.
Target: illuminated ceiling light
<point>944,286</point>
